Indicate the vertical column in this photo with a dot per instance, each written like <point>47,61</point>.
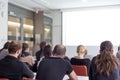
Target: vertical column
<point>3,21</point>
<point>38,30</point>
<point>57,27</point>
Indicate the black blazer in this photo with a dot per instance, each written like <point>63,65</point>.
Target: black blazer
<point>13,69</point>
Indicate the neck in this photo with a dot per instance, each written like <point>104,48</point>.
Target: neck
<point>60,56</point>
<point>80,56</point>
<point>14,55</point>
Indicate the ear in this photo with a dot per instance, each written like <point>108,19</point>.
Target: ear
<point>19,51</point>
<point>77,51</point>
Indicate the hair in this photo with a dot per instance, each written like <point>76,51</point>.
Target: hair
<point>24,46</point>
<point>119,48</point>
<point>47,51</point>
<point>81,49</point>
<point>6,46</point>
<point>14,46</point>
<point>42,45</point>
<point>106,62</point>
<point>59,50</point>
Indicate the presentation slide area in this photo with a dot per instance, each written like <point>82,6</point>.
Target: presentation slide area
<point>91,26</point>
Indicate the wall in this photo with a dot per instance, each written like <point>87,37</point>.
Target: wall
<point>57,37</point>
<point>57,27</point>
<point>3,21</point>
<point>17,11</point>
<point>92,51</point>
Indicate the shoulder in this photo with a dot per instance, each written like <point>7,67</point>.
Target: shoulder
<point>4,51</point>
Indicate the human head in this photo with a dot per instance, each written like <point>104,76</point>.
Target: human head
<point>47,50</point>
<point>119,48</point>
<point>106,62</point>
<point>106,47</point>
<point>15,46</point>
<point>24,46</point>
<point>81,50</point>
<point>59,50</point>
<point>6,45</point>
<point>42,45</point>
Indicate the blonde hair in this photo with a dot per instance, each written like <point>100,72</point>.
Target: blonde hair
<point>81,49</point>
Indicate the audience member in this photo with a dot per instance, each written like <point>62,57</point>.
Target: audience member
<point>55,67</point>
<point>47,52</point>
<point>39,53</point>
<point>11,67</point>
<point>26,57</point>
<point>80,60</point>
<point>118,53</point>
<point>4,51</point>
<point>105,66</point>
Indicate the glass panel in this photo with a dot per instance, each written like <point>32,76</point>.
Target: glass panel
<point>47,33</point>
<point>48,29</point>
<point>28,32</point>
<point>13,28</point>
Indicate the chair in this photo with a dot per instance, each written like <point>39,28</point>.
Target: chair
<point>4,79</point>
<point>80,70</point>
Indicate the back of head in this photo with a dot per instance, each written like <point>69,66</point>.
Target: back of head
<point>81,49</point>
<point>119,48</point>
<point>14,46</point>
<point>43,44</point>
<point>6,46</point>
<point>59,50</point>
<point>24,46</point>
<point>106,62</point>
<point>106,47</point>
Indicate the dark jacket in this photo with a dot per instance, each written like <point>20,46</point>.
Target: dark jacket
<point>13,69</point>
<point>115,75</point>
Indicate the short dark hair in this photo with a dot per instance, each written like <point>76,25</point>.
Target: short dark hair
<point>24,46</point>
<point>14,46</point>
<point>6,45</point>
<point>43,44</point>
<point>59,49</point>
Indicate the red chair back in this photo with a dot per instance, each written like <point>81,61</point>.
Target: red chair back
<point>80,70</point>
<point>4,79</point>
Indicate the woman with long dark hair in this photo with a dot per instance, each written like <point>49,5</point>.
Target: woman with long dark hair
<point>105,66</point>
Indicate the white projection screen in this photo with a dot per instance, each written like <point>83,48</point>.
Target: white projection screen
<point>91,26</point>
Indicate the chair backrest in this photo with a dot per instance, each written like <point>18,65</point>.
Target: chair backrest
<point>80,70</point>
<point>4,79</point>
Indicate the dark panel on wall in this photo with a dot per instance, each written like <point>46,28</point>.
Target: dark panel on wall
<point>19,12</point>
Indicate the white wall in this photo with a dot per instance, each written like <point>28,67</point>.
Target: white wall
<point>3,21</point>
<point>57,27</point>
<point>92,50</point>
<point>57,37</point>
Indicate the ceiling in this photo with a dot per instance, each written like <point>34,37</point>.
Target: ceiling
<point>61,4</point>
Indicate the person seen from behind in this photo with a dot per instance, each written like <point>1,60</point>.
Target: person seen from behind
<point>105,66</point>
<point>55,67</point>
<point>4,51</point>
<point>39,53</point>
<point>79,59</point>
<point>118,53</point>
<point>11,67</point>
<point>47,52</point>
<point>26,56</point>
